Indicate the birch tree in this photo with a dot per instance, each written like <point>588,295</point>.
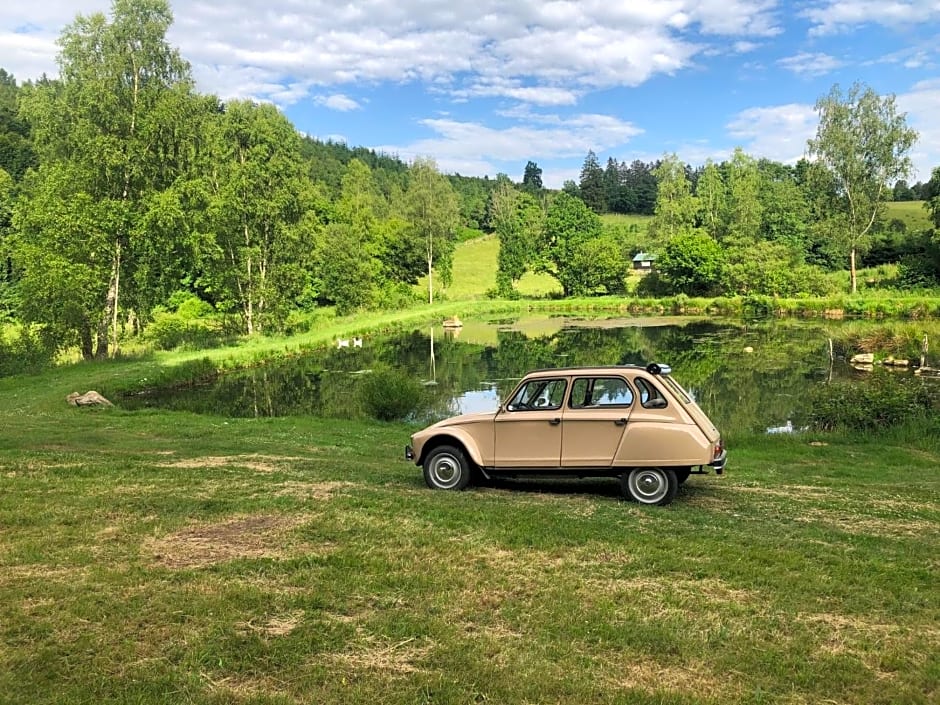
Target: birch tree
<point>865,143</point>
<point>115,124</point>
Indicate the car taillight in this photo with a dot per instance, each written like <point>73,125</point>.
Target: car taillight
<point>719,446</point>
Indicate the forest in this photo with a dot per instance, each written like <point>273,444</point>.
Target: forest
<point>131,204</point>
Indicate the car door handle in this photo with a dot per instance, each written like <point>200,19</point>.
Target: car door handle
<point>621,422</point>
<point>555,421</point>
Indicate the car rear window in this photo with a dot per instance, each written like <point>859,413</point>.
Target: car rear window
<point>589,392</point>
<point>676,389</point>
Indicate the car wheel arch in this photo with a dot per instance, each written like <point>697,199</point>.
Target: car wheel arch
<point>471,453</point>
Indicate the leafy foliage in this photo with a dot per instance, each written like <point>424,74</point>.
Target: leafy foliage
<point>692,263</point>
<point>879,402</point>
<point>390,395</point>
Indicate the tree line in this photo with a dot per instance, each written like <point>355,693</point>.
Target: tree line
<point>125,193</point>
<point>121,186</point>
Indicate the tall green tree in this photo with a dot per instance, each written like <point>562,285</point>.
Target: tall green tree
<point>591,184</point>
<point>569,224</point>
<point>432,211</point>
<point>532,179</point>
<point>932,204</point>
<point>744,206</point>
<point>115,124</point>
<point>16,149</point>
<point>6,262</point>
<point>348,254</point>
<point>259,220</point>
<point>712,200</point>
<point>518,221</point>
<point>676,207</point>
<point>865,144</point>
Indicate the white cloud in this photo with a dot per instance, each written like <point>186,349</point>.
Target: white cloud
<point>476,149</point>
<point>831,16</point>
<point>922,105</point>
<point>807,64</point>
<point>781,132</point>
<point>778,132</point>
<point>339,102</point>
<point>548,53</point>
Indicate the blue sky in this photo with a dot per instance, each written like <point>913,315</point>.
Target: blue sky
<point>485,86</point>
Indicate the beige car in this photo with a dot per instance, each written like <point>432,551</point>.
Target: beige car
<point>635,423</point>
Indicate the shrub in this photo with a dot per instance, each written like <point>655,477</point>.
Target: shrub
<point>879,402</point>
<point>171,330</point>
<point>26,352</point>
<point>389,395</point>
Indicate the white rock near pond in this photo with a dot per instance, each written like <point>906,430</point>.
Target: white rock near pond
<point>863,359</point>
<point>89,398</point>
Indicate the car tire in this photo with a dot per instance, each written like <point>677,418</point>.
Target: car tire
<point>650,485</point>
<point>682,474</point>
<point>446,468</point>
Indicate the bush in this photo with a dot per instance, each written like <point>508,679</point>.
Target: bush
<point>171,330</point>
<point>389,395</point>
<point>879,402</point>
<point>26,352</point>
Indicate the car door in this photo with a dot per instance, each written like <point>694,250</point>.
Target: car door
<point>594,421</point>
<point>528,427</point>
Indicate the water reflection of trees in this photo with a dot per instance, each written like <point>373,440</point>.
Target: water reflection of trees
<point>739,390</point>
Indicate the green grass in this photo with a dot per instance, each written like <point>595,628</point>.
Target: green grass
<point>161,557</point>
<point>474,274</point>
<point>627,220</point>
<point>911,213</point>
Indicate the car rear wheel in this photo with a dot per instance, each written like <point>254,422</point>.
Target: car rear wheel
<point>650,485</point>
<point>446,468</point>
<point>682,474</point>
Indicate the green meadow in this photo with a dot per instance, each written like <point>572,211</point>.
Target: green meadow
<point>166,557</point>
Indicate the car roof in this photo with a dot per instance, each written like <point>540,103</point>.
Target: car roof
<point>592,369</point>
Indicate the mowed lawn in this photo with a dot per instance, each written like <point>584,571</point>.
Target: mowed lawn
<point>154,557</point>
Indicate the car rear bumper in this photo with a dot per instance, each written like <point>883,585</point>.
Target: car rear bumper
<point>719,463</point>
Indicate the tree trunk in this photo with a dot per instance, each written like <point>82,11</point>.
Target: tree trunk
<point>430,281</point>
<point>852,272</point>
<point>88,351</point>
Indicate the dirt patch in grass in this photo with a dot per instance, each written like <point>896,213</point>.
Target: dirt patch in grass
<point>653,676</point>
<point>390,659</point>
<point>274,626</point>
<point>790,491</point>
<point>258,463</point>
<point>262,536</point>
<point>859,524</point>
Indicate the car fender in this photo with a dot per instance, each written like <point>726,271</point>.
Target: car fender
<point>454,435</point>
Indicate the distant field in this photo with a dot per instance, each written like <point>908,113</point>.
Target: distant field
<point>911,213</point>
<point>642,222</point>
<point>475,273</point>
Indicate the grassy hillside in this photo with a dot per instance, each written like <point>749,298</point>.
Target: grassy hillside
<point>475,263</point>
<point>475,273</point>
<point>911,213</point>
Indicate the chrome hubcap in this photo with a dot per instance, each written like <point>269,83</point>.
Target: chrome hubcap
<point>648,485</point>
<point>446,471</point>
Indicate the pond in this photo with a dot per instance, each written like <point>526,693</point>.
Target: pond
<point>746,376</point>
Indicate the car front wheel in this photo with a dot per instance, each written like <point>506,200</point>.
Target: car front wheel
<point>650,485</point>
<point>446,468</point>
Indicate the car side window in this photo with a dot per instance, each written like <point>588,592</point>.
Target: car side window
<point>539,395</point>
<point>592,392</point>
<point>650,396</point>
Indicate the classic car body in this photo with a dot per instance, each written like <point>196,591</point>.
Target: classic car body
<point>633,422</point>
